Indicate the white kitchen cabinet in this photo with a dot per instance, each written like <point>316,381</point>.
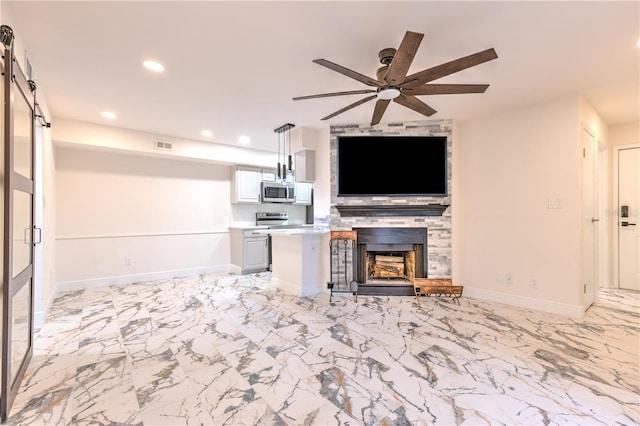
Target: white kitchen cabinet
<point>269,175</point>
<point>245,185</point>
<point>249,250</point>
<point>305,165</point>
<point>303,193</point>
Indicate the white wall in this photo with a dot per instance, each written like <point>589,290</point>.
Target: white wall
<point>506,168</point>
<point>83,134</point>
<point>624,134</point>
<point>322,185</point>
<point>45,284</point>
<point>169,217</point>
<point>319,141</point>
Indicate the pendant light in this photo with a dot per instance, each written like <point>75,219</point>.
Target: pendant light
<point>278,176</point>
<point>281,171</point>
<point>290,160</point>
<point>284,157</point>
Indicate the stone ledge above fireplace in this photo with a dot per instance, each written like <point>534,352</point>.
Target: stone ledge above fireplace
<point>392,210</point>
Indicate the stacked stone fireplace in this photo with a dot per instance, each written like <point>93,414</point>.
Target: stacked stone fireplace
<point>409,236</point>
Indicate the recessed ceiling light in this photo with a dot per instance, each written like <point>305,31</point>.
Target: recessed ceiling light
<point>108,115</point>
<point>153,66</point>
<point>638,43</point>
<point>244,140</point>
<point>206,133</point>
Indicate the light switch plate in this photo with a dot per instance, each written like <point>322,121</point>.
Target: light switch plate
<point>554,203</point>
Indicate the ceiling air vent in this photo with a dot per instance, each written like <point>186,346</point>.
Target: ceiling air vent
<point>165,146</point>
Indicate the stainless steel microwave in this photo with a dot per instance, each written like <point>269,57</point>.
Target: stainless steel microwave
<point>273,192</point>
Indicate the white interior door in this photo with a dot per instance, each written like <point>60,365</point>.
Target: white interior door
<point>590,218</point>
<point>629,218</point>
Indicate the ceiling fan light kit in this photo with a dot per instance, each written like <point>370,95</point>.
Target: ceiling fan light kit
<point>388,94</point>
<point>393,83</point>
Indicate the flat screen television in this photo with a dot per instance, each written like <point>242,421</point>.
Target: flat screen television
<point>391,166</point>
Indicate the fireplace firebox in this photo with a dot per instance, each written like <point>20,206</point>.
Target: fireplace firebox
<point>390,258</point>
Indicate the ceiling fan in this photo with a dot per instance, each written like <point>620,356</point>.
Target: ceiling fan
<point>393,83</point>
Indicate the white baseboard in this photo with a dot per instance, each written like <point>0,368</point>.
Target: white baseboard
<point>38,317</point>
<point>295,288</point>
<point>136,278</point>
<point>284,285</point>
<point>572,311</point>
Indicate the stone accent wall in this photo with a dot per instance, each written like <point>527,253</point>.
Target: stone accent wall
<point>438,227</point>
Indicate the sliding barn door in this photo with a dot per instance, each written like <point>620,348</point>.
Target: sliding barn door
<point>18,218</point>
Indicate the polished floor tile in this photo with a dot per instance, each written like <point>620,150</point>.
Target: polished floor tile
<point>230,350</point>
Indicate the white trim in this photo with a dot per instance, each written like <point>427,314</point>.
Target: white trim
<point>39,316</point>
<point>590,297</point>
<point>572,311</point>
<point>615,212</point>
<point>38,207</point>
<point>136,278</point>
<point>138,235</point>
<point>604,230</point>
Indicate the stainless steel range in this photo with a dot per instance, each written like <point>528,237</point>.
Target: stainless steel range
<point>272,220</point>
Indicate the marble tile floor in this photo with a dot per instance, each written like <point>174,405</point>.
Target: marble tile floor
<point>229,350</point>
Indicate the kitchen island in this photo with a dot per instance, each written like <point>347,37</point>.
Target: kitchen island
<point>299,260</point>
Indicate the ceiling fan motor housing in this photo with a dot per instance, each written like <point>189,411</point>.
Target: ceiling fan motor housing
<point>386,55</point>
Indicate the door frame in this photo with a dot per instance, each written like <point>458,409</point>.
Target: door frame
<point>590,293</point>
<point>616,213</point>
<point>604,238</point>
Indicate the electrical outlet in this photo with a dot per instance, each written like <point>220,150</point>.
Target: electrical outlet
<point>508,279</point>
<point>128,261</point>
<point>533,283</point>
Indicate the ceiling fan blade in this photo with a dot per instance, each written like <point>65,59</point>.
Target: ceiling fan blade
<point>445,89</point>
<point>378,111</point>
<point>326,95</point>
<point>349,73</point>
<point>415,104</point>
<point>447,68</point>
<point>348,107</point>
<point>403,58</point>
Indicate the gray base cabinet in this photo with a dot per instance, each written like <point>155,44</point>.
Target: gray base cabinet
<point>249,250</point>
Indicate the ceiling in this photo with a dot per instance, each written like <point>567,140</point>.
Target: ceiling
<point>234,67</point>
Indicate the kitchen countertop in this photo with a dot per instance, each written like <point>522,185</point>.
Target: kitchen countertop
<point>276,228</point>
<point>294,231</point>
<point>248,226</point>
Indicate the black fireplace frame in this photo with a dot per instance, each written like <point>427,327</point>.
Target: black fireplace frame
<point>390,239</point>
